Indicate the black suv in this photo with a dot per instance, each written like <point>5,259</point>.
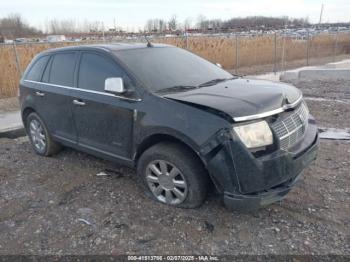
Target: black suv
<point>183,122</point>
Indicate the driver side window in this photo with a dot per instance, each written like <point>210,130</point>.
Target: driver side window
<point>95,69</point>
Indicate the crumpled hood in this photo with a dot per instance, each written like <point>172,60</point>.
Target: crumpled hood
<point>241,97</point>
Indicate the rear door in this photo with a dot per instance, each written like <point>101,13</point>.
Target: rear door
<point>104,122</point>
<point>54,91</point>
<point>30,86</point>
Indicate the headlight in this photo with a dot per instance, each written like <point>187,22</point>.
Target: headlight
<point>254,135</point>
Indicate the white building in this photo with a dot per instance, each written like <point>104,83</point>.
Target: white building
<point>55,38</point>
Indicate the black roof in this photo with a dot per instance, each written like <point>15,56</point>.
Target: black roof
<point>108,47</point>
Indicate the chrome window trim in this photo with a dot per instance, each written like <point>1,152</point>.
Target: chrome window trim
<point>83,90</point>
<point>269,113</point>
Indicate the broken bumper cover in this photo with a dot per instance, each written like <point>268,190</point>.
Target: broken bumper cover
<point>293,166</point>
<point>239,202</point>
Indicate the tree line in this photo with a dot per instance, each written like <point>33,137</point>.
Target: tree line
<point>203,24</point>
<point>14,26</point>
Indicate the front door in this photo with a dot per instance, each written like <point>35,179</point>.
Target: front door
<point>104,122</point>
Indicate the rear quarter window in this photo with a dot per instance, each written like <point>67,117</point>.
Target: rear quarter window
<point>36,70</point>
<point>62,69</point>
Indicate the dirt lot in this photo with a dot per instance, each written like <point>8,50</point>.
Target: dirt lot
<point>267,68</point>
<point>329,102</point>
<point>58,205</point>
<point>9,104</point>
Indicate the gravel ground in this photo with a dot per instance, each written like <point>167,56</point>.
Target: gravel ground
<point>329,102</point>
<point>267,68</point>
<point>44,199</point>
<point>9,104</point>
<point>59,205</point>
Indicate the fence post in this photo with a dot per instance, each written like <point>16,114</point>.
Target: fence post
<point>283,52</point>
<point>236,65</point>
<point>186,40</point>
<point>17,59</point>
<point>275,54</point>
<point>308,48</point>
<point>335,45</point>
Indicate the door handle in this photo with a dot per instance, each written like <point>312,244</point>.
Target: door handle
<point>78,103</point>
<point>39,93</point>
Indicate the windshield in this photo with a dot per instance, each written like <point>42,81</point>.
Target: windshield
<point>167,67</point>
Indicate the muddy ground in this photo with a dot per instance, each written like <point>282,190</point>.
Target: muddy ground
<point>58,205</point>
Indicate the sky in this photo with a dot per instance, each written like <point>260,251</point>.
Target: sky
<point>133,14</point>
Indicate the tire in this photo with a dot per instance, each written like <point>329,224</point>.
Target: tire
<point>173,157</point>
<point>36,130</point>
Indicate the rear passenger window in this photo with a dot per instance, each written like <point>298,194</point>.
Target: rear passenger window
<point>36,71</point>
<point>62,69</point>
<point>94,69</point>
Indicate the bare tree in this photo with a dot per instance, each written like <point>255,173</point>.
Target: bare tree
<point>172,23</point>
<point>162,25</point>
<point>65,26</point>
<point>149,25</point>
<point>155,25</point>
<point>14,26</point>
<point>188,23</point>
<point>202,22</point>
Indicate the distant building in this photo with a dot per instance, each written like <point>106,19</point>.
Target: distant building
<point>55,38</point>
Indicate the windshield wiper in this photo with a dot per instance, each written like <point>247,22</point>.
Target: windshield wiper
<point>215,81</point>
<point>177,88</point>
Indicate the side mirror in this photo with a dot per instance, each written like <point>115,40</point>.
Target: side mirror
<point>219,65</point>
<point>114,85</point>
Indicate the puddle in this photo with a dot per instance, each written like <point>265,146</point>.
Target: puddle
<point>334,133</point>
<point>325,99</point>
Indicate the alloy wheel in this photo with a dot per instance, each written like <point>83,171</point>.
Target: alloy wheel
<point>166,182</point>
<point>37,135</point>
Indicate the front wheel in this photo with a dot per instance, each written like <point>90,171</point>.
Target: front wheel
<point>173,175</point>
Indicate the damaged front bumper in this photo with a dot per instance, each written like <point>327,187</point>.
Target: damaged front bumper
<point>255,201</point>
<point>249,182</point>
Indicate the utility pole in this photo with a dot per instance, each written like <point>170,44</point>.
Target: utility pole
<point>319,22</point>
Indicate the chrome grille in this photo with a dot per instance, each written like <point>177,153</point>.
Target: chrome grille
<point>291,127</point>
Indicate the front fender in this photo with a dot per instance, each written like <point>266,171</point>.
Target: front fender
<point>156,133</point>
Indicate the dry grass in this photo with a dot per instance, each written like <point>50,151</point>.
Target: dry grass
<point>9,73</point>
<point>252,51</point>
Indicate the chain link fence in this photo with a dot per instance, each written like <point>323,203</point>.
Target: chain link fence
<point>240,54</point>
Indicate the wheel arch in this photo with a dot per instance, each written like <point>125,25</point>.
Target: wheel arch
<point>26,112</point>
<point>154,139</point>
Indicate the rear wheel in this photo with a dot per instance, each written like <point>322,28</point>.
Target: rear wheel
<point>173,175</point>
<point>39,136</point>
